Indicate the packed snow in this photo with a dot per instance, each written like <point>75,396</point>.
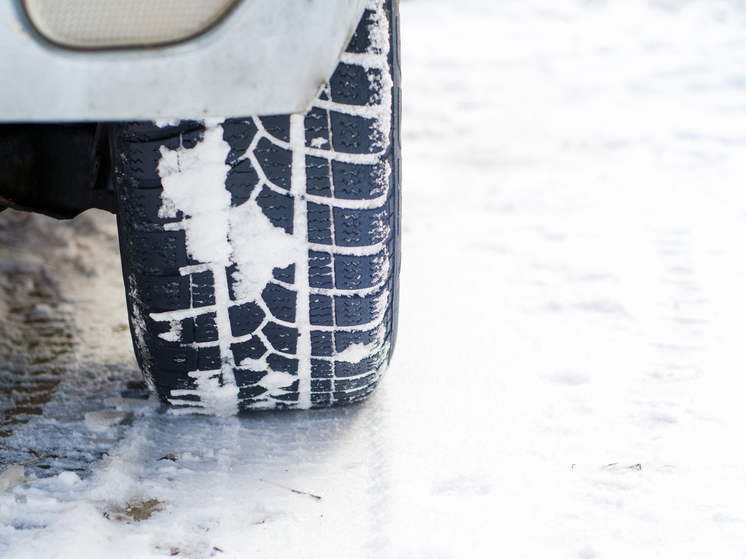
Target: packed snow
<point>569,373</point>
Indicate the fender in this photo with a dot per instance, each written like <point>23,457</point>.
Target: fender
<point>263,57</point>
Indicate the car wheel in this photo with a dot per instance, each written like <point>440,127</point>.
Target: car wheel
<point>261,254</point>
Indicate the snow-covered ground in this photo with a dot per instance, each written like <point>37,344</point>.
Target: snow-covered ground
<point>570,374</point>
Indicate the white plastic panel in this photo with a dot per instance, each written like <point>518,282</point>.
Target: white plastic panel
<point>123,23</point>
<point>265,57</point>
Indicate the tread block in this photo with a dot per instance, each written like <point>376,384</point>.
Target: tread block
<point>278,208</point>
<point>321,385</point>
<point>322,343</point>
<point>143,161</point>
<point>345,398</point>
<point>241,180</point>
<point>251,349</point>
<point>166,382</point>
<point>177,360</point>
<point>205,328</point>
<point>320,273</point>
<point>354,134</point>
<point>322,369</point>
<point>282,338</point>
<point>354,383</point>
<point>281,302</point>
<point>275,163</point>
<point>317,176</point>
<point>143,205</point>
<point>358,182</point>
<point>245,319</point>
<point>187,331</point>
<point>192,134</point>
<point>208,359</point>
<point>321,400</point>
<point>321,310</point>
<point>238,133</point>
<point>359,272</point>
<point>317,128</point>
<point>250,391</point>
<point>289,396</point>
<point>319,223</point>
<point>361,42</point>
<point>143,156</point>
<point>360,227</point>
<point>278,126</point>
<point>352,84</point>
<point>344,369</point>
<point>203,289</point>
<point>153,329</point>
<point>356,310</point>
<point>343,339</point>
<point>247,377</point>
<point>164,251</point>
<point>163,293</point>
<point>286,275</point>
<point>283,364</point>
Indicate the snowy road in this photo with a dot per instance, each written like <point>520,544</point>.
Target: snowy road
<point>569,378</point>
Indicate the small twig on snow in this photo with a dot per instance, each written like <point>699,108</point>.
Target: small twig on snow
<point>38,457</point>
<point>291,489</point>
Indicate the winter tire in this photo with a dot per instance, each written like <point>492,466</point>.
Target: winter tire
<point>261,254</point>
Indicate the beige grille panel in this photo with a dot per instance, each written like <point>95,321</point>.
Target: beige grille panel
<point>96,24</point>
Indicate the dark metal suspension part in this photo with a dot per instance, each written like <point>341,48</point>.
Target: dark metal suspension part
<point>59,170</point>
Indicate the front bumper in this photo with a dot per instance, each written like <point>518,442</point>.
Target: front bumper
<point>266,57</point>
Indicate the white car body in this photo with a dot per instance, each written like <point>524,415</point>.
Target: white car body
<point>265,57</point>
